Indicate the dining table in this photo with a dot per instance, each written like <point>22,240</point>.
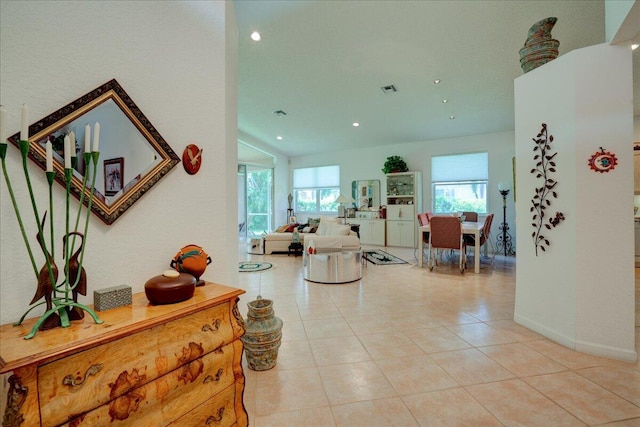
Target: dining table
<point>468,227</point>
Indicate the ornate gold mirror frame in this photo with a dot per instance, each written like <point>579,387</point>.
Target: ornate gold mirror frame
<point>115,110</point>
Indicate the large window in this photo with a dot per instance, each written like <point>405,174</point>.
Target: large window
<point>315,190</point>
<point>460,182</point>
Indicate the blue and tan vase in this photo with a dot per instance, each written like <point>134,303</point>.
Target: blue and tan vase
<point>263,336</point>
<point>539,48</point>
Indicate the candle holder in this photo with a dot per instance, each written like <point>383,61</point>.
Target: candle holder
<point>504,241</point>
<point>60,300</point>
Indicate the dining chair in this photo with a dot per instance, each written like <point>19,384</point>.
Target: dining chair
<point>446,233</point>
<point>423,219</point>
<point>470,216</point>
<point>485,236</point>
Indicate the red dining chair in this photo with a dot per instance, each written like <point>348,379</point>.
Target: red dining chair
<point>446,233</point>
<point>423,219</point>
<point>485,235</point>
<point>470,216</point>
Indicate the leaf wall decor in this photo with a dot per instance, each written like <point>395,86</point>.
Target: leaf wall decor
<point>544,166</point>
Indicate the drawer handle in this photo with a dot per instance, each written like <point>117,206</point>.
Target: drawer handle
<point>215,325</point>
<point>217,418</point>
<point>70,380</point>
<point>215,378</point>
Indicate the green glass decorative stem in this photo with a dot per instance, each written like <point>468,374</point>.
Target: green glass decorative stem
<point>50,178</point>
<point>68,174</point>
<point>24,150</point>
<point>95,155</point>
<point>19,322</point>
<point>61,306</point>
<point>87,158</point>
<point>3,150</point>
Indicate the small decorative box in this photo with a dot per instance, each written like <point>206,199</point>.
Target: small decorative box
<point>108,298</point>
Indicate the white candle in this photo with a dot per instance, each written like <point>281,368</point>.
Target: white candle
<point>87,138</point>
<point>67,152</point>
<point>96,137</point>
<point>49,149</point>
<point>3,118</point>
<point>72,138</point>
<point>24,130</point>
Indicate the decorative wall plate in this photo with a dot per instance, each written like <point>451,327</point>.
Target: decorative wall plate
<point>603,161</point>
<point>192,159</point>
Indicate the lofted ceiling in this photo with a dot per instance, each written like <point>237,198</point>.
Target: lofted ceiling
<point>324,63</point>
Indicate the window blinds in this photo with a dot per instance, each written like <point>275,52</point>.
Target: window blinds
<point>324,176</point>
<point>460,167</point>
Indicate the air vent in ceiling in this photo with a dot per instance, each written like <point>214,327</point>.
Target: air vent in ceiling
<point>389,89</point>
<point>279,113</point>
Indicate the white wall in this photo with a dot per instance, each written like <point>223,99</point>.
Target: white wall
<point>367,163</point>
<point>53,52</point>
<point>580,292</point>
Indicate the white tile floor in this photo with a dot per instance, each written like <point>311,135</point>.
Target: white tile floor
<point>409,347</point>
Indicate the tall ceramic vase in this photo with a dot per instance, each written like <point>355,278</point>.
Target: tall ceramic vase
<point>263,336</point>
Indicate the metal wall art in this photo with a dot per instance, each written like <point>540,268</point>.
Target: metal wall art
<point>603,161</point>
<point>541,199</point>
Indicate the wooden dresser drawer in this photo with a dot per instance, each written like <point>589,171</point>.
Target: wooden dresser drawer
<point>217,411</point>
<point>169,397</point>
<point>91,378</point>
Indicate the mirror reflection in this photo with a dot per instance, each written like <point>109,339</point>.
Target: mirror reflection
<point>133,155</point>
<point>366,193</point>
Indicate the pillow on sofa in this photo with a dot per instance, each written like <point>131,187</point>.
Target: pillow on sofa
<point>338,230</point>
<point>282,228</point>
<point>325,223</point>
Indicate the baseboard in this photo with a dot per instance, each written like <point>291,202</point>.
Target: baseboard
<point>581,346</point>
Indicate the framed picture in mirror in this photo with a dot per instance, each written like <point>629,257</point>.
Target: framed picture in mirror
<point>113,176</point>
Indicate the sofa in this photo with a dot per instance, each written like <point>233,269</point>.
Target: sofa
<point>329,232</point>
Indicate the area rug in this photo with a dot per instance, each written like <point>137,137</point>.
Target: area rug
<point>379,257</point>
<point>251,267</point>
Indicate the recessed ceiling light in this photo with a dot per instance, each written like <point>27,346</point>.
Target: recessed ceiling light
<point>356,124</point>
<point>634,46</point>
<point>452,117</point>
<point>255,36</point>
<point>444,101</point>
<point>436,81</point>
<point>279,138</point>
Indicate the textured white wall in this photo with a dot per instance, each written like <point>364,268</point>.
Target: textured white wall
<point>170,57</point>
<point>580,292</point>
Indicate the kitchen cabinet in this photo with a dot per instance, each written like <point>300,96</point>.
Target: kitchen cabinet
<point>372,230</point>
<point>148,365</point>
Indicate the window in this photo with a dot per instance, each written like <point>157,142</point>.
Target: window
<point>315,190</point>
<point>459,182</point>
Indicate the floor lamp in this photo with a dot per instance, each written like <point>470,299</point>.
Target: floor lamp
<point>504,241</point>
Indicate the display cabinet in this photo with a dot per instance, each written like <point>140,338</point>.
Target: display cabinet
<point>404,202</point>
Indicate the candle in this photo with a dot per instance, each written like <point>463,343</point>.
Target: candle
<point>49,149</point>
<point>3,118</point>
<point>87,138</point>
<point>24,130</point>
<point>96,137</point>
<point>72,138</point>
<point>67,152</point>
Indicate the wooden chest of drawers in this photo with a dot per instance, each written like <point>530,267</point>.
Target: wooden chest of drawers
<point>146,365</point>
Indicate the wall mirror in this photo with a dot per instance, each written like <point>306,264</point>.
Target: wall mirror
<point>366,193</point>
<point>133,155</point>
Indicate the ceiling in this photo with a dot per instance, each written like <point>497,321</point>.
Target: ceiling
<point>324,64</point>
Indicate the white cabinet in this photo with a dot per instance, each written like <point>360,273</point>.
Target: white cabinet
<point>401,233</point>
<point>404,202</point>
<point>372,231</point>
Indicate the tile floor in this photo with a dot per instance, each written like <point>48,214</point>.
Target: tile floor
<point>409,347</point>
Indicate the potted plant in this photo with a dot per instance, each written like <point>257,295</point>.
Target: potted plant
<point>394,164</point>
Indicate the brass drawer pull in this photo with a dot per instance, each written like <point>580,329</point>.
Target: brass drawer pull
<point>217,418</point>
<point>215,378</point>
<point>70,380</point>
<point>215,325</point>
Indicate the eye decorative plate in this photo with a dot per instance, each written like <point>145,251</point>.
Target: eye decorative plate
<point>603,161</point>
